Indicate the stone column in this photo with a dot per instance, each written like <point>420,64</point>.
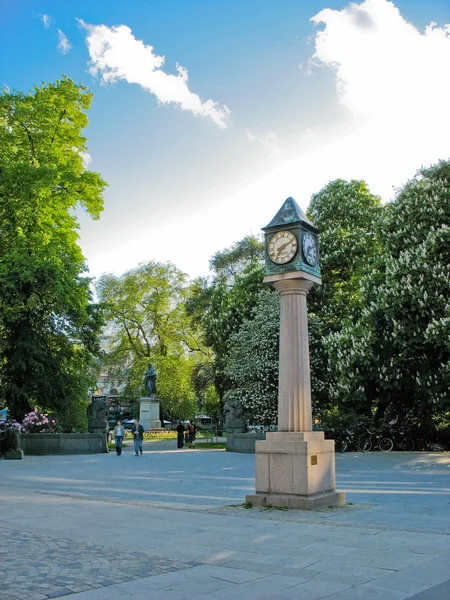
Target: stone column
<point>295,466</point>
<point>294,392</point>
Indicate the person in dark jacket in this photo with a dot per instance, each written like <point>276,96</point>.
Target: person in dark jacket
<point>191,433</point>
<point>138,432</point>
<point>180,434</point>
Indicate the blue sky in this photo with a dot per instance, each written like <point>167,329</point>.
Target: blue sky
<point>237,105</point>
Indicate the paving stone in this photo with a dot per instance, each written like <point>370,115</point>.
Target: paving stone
<point>388,546</point>
<point>77,575</point>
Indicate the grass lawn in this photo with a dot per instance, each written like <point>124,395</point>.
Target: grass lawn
<point>211,445</point>
<point>158,436</point>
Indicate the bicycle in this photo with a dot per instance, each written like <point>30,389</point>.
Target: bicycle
<point>406,443</point>
<point>347,439</point>
<point>424,446</point>
<point>373,440</point>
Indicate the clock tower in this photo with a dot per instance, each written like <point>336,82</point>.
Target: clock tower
<point>291,245</point>
<point>295,466</point>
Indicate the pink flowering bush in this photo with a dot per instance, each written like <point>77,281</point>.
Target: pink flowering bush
<point>5,434</point>
<point>4,425</point>
<point>35,422</point>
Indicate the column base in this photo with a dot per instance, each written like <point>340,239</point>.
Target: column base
<point>295,470</point>
<point>312,502</point>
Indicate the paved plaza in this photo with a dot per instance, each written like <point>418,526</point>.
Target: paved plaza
<point>172,524</point>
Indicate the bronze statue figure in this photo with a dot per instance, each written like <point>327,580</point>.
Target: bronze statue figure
<point>150,380</point>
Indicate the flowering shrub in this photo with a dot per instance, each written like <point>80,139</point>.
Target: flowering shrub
<point>253,361</point>
<point>4,425</point>
<point>38,423</point>
<point>159,435</point>
<point>5,434</point>
<point>32,423</point>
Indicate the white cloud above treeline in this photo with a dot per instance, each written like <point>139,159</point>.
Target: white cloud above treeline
<point>117,55</point>
<point>63,43</point>
<point>394,81</point>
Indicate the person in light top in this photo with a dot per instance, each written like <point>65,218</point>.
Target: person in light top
<point>119,434</point>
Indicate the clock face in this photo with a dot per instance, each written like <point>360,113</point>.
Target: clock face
<point>310,251</point>
<point>282,247</point>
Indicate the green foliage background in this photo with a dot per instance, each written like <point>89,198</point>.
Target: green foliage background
<point>48,323</point>
<point>379,325</point>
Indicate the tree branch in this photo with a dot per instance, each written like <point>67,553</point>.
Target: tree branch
<point>30,138</point>
<point>58,124</point>
<point>130,339</point>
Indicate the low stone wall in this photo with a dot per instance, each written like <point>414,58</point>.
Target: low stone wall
<point>63,443</point>
<point>243,442</point>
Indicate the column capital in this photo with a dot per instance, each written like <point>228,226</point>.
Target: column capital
<point>293,286</point>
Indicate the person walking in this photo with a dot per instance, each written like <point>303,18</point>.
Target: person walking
<point>180,434</point>
<point>138,432</point>
<point>191,433</point>
<point>119,434</point>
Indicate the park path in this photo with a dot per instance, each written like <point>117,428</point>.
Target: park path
<point>170,524</point>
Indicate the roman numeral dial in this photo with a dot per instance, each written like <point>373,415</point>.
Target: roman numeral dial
<point>282,247</point>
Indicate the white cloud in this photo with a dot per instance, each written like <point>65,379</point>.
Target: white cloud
<point>48,21</point>
<point>116,54</point>
<point>268,140</point>
<point>63,43</point>
<point>85,156</point>
<point>394,81</point>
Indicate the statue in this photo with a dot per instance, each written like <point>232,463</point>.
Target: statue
<point>12,439</point>
<point>150,380</point>
<point>10,444</point>
<point>234,416</point>
<point>233,410</point>
<point>97,414</point>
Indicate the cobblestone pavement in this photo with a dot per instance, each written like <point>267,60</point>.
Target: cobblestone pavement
<point>34,567</point>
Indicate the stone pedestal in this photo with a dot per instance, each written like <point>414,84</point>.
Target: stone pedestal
<point>295,470</point>
<point>13,454</point>
<point>100,426</point>
<point>149,412</point>
<point>236,426</point>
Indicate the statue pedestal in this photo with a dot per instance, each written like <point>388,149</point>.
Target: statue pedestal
<point>100,426</point>
<point>149,412</point>
<point>13,454</point>
<point>295,470</point>
<point>236,426</point>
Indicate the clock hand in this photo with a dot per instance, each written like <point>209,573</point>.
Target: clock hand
<point>281,248</point>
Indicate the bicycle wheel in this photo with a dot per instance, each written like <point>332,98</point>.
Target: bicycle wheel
<point>344,445</point>
<point>364,443</point>
<point>386,444</point>
<point>421,445</point>
<point>407,444</point>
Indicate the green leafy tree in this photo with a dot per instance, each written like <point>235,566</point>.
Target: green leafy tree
<point>145,309</point>
<point>220,306</point>
<point>395,358</point>
<point>253,360</point>
<point>48,323</point>
<point>346,214</point>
